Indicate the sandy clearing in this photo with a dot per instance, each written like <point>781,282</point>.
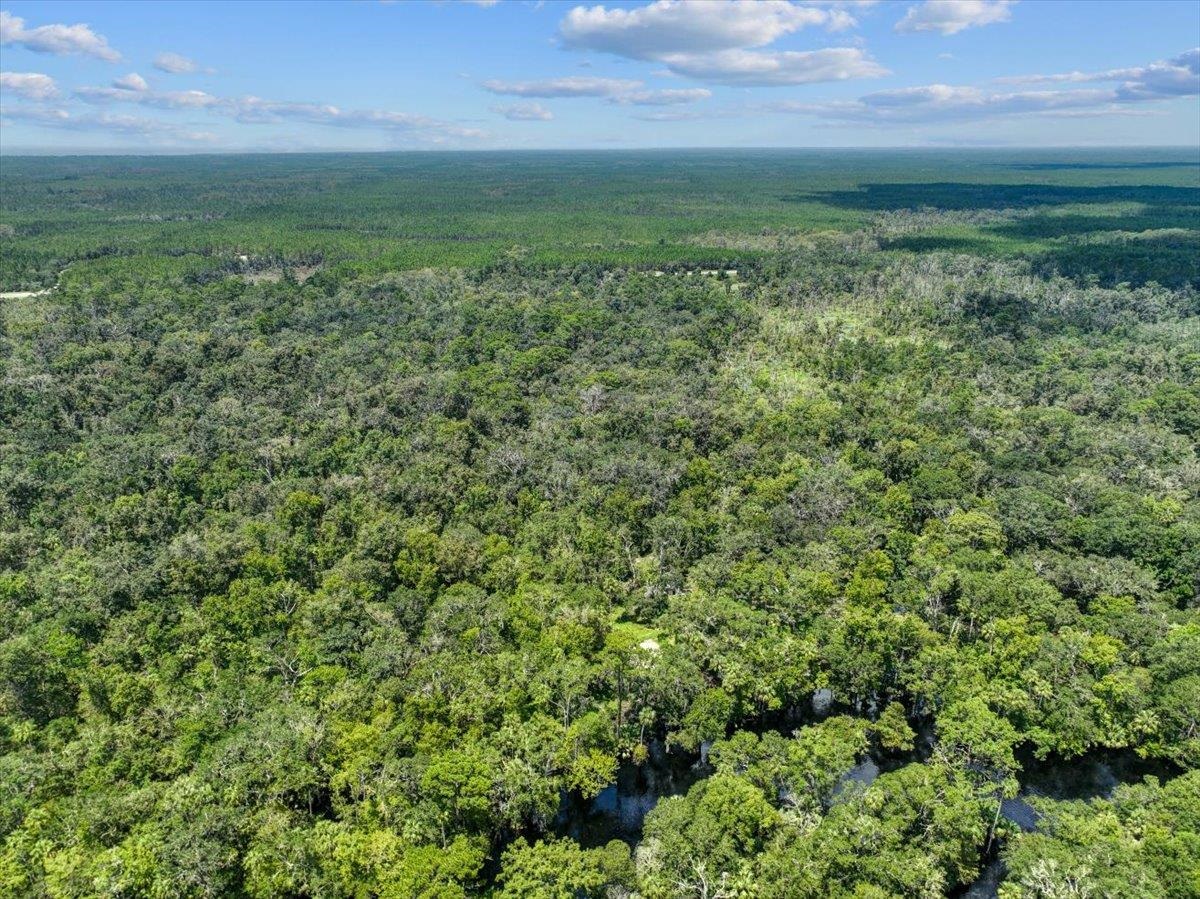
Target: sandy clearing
<point>300,272</point>
<point>26,294</point>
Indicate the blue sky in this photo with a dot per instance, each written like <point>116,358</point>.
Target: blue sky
<point>368,75</point>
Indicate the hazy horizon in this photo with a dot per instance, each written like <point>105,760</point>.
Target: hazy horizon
<point>34,152</point>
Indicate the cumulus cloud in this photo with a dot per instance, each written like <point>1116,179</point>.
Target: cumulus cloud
<point>525,112</point>
<point>131,82</point>
<point>953,16</point>
<point>751,68</point>
<point>174,64</point>
<point>685,26</point>
<point>30,85</point>
<point>60,40</point>
<point>253,110</point>
<point>129,124</point>
<point>1046,79</point>
<point>575,86</point>
<point>719,42</point>
<point>108,123</point>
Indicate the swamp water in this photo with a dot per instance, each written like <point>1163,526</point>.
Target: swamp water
<point>619,811</point>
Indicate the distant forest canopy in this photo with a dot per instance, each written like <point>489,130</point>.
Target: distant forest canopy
<point>1122,216</point>
<point>365,519</point>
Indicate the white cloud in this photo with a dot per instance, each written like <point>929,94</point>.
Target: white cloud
<point>174,64</point>
<point>421,129</point>
<point>616,90</point>
<point>40,115</point>
<point>1060,78</point>
<point>131,82</point>
<point>30,85</point>
<point>670,97</point>
<point>107,122</point>
<point>60,40</point>
<point>953,16</point>
<point>525,112</point>
<point>563,87</point>
<point>1136,92</point>
<point>943,102</point>
<point>685,26</point>
<point>719,41</point>
<point>145,97</point>
<point>751,68</point>
<point>1178,77</point>
<point>250,110</point>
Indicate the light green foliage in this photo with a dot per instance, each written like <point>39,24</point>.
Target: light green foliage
<point>914,832</point>
<point>1143,842</point>
<point>551,869</point>
<point>333,571</point>
<point>701,842</point>
<point>891,729</point>
<point>707,719</point>
<point>800,773</point>
<point>380,863</point>
<point>976,737</point>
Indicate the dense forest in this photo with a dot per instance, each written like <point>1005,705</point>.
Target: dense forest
<point>598,525</point>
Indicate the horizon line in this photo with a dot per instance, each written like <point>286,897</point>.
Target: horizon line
<point>26,153</point>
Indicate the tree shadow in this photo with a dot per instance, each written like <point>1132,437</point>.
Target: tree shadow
<point>1172,260</point>
<point>1051,226</point>
<point>1087,166</point>
<point>961,195</point>
<point>1078,245</point>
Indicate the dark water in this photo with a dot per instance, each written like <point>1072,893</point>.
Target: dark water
<point>619,811</point>
<point>621,808</point>
<point>1093,775</point>
<point>987,885</point>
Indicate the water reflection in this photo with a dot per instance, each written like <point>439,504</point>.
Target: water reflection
<point>620,810</point>
<point>1093,775</point>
